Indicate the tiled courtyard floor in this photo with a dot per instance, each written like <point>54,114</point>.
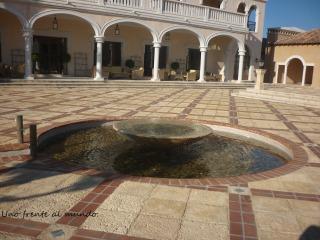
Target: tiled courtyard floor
<point>122,208</point>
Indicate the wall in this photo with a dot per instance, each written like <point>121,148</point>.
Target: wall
<point>308,52</point>
<point>11,35</point>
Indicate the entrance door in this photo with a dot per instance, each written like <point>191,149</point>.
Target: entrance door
<point>149,59</point>
<point>51,51</point>
<point>193,59</point>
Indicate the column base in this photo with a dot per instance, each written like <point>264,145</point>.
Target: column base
<point>29,77</point>
<point>155,80</point>
<point>98,79</point>
<point>201,81</point>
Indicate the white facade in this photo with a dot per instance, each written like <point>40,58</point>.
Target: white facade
<point>220,33</point>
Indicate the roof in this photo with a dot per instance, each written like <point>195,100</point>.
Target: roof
<point>311,37</point>
<point>292,29</point>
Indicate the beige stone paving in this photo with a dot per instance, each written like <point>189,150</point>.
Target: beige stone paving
<point>163,212</point>
<point>285,218</point>
<point>43,191</point>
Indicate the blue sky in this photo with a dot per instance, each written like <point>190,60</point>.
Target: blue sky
<point>303,14</point>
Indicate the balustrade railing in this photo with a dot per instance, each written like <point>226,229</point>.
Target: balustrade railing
<point>170,8</point>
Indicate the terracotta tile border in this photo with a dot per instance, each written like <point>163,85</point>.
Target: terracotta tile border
<point>241,216</point>
<point>84,234</point>
<point>89,203</point>
<point>233,115</point>
<point>187,110</point>
<point>294,129</point>
<point>286,195</point>
<point>21,226</point>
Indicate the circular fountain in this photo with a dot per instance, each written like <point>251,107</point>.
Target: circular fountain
<point>162,132</point>
<point>165,148</point>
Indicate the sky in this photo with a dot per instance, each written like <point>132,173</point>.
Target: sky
<point>303,14</point>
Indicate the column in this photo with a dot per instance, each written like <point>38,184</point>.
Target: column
<point>284,81</point>
<point>304,75</point>
<point>155,76</point>
<point>203,51</point>
<point>242,53</point>
<point>28,39</point>
<point>99,41</point>
<point>251,71</point>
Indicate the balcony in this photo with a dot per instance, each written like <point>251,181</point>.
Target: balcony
<point>166,10</point>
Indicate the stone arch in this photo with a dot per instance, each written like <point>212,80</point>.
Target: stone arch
<point>241,7</point>
<point>200,37</point>
<point>253,9</point>
<point>128,20</point>
<point>240,42</point>
<point>37,16</point>
<point>22,19</point>
<point>295,57</point>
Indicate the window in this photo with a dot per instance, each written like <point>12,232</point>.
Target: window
<point>241,8</point>
<point>111,54</point>
<point>212,3</point>
<point>252,15</point>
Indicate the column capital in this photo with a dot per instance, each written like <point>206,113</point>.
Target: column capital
<point>99,39</point>
<point>27,32</point>
<point>203,48</point>
<point>157,44</point>
<point>242,52</point>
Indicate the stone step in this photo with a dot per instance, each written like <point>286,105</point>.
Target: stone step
<point>122,83</point>
<point>286,94</point>
<point>307,101</point>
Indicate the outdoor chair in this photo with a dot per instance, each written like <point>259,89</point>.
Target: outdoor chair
<point>163,74</point>
<point>138,73</point>
<point>191,75</point>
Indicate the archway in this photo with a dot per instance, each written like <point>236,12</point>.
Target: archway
<point>125,56</point>
<point>241,8</point>
<point>212,3</point>
<point>226,46</point>
<point>294,71</point>
<point>12,54</point>
<point>183,53</point>
<point>252,19</point>
<point>63,44</point>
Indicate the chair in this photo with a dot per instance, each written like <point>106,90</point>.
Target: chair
<point>105,72</point>
<point>138,73</point>
<point>191,75</point>
<point>163,74</point>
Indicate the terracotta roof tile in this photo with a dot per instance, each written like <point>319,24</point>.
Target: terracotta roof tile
<point>311,37</point>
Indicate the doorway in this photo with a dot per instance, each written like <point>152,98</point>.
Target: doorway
<point>149,59</point>
<point>50,51</point>
<point>193,59</point>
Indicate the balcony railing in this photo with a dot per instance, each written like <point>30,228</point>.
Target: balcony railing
<point>169,8</point>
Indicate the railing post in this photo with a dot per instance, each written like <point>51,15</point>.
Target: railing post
<point>206,14</point>
<point>19,122</point>
<point>161,6</point>
<point>33,140</point>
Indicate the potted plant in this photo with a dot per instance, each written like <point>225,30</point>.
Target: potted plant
<point>175,66</point>
<point>66,58</point>
<point>130,64</point>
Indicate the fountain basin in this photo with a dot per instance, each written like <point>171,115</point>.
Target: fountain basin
<point>162,132</point>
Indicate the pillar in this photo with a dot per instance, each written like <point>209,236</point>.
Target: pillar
<point>155,76</point>
<point>28,39</point>
<point>99,41</point>
<point>251,71</point>
<point>284,81</point>
<point>242,53</point>
<point>203,51</point>
<point>304,75</point>
<point>260,78</point>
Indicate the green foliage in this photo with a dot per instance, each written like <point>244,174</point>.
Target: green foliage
<point>175,66</point>
<point>130,63</point>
